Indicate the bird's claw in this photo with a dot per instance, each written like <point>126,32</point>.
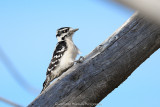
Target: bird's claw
<point>80,60</point>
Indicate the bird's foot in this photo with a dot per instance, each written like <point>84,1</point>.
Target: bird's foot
<point>80,60</point>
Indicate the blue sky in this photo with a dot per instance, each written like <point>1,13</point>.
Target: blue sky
<point>27,36</point>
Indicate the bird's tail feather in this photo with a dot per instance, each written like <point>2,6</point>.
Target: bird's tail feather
<point>46,83</point>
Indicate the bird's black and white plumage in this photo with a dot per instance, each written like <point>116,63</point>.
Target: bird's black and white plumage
<point>64,55</point>
<point>58,53</point>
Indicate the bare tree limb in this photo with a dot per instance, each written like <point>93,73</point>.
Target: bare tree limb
<point>105,68</point>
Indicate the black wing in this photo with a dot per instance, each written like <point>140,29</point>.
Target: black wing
<point>58,53</point>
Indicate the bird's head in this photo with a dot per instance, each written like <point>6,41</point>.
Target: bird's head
<point>65,33</point>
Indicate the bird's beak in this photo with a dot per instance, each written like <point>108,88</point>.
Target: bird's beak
<point>74,30</point>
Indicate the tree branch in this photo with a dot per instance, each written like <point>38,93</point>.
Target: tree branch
<point>105,68</point>
<point>9,102</point>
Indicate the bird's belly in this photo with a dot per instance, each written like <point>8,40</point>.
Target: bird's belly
<point>67,60</point>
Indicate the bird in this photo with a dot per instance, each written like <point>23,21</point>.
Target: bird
<point>63,56</point>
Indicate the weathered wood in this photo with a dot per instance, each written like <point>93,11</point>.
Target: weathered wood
<point>105,68</point>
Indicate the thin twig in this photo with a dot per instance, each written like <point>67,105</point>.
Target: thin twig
<point>15,74</point>
<point>9,102</point>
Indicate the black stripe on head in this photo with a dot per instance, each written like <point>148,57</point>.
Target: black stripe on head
<point>63,38</point>
<point>58,34</point>
<point>62,30</point>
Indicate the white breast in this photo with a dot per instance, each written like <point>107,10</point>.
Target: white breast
<point>70,55</point>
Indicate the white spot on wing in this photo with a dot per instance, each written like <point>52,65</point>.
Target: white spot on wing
<point>63,48</point>
<point>52,62</point>
<point>50,69</point>
<point>56,56</point>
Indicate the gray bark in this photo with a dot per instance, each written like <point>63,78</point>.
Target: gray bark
<point>105,68</point>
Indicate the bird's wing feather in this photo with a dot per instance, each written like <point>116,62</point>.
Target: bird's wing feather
<point>58,53</point>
